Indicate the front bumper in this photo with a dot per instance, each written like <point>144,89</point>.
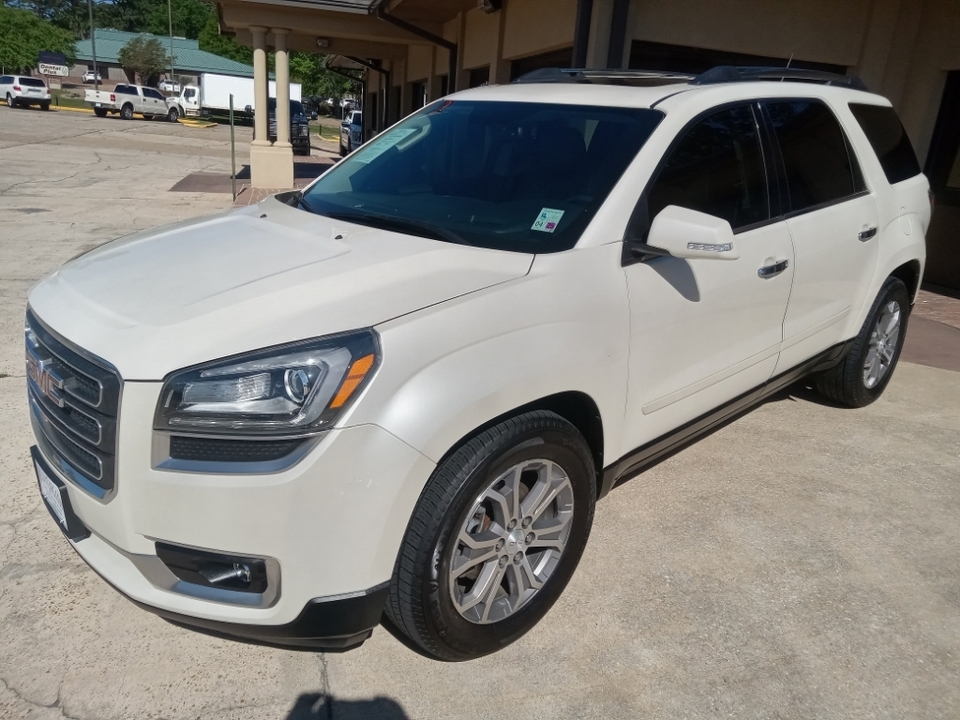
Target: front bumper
<point>332,525</point>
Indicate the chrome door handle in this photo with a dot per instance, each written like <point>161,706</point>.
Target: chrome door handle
<point>769,271</point>
<point>867,234</point>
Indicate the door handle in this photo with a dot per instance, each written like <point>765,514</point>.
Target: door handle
<point>867,234</point>
<point>769,271</point>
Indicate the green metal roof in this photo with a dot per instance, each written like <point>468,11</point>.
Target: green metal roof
<point>187,53</point>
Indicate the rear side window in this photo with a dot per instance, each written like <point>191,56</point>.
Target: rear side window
<point>6,79</point>
<point>889,140</point>
<point>716,168</point>
<point>32,82</point>
<point>123,90</point>
<point>819,167</point>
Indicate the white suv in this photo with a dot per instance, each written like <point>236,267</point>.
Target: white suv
<point>23,91</point>
<point>399,393</point>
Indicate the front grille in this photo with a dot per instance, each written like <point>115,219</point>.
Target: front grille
<point>74,403</point>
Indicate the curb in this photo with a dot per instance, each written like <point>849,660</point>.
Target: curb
<point>58,108</point>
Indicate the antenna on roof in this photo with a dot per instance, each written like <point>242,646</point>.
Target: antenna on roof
<point>788,65</point>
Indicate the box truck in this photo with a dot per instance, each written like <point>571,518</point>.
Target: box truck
<point>212,96</point>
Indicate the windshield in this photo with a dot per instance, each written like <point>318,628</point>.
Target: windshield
<point>31,82</point>
<point>525,177</point>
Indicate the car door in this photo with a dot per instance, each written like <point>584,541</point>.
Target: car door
<point>833,220</point>
<point>704,331</point>
<point>155,103</point>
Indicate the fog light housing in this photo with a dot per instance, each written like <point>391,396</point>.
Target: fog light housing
<point>214,570</point>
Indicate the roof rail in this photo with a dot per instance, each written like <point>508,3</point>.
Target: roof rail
<point>603,77</point>
<point>729,73</point>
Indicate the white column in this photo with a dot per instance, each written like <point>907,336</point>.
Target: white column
<point>261,86</point>
<point>282,63</point>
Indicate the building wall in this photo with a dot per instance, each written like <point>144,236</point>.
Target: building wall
<point>537,26</point>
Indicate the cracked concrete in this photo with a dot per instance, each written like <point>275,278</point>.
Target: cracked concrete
<point>802,562</point>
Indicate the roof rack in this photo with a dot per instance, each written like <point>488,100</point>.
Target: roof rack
<point>730,73</point>
<point>603,77</point>
<point>714,76</point>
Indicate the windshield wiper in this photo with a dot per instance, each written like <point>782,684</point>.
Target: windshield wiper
<point>297,200</point>
<point>405,225</point>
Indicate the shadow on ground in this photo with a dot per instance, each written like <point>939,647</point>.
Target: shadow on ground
<point>317,706</point>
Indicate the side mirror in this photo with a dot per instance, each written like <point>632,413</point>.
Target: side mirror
<point>690,234</point>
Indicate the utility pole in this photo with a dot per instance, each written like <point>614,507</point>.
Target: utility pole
<point>93,47</point>
<point>170,19</point>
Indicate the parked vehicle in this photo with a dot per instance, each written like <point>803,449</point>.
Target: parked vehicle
<point>351,132</point>
<point>403,389</point>
<point>23,91</point>
<point>168,86</point>
<point>126,100</point>
<point>213,95</point>
<point>299,126</point>
<point>90,76</point>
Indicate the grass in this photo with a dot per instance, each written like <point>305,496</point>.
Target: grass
<point>329,133</point>
<point>3,375</point>
<point>62,98</point>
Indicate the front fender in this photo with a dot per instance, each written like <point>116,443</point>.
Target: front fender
<point>449,369</point>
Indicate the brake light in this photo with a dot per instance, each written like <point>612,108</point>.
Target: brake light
<point>113,98</point>
<point>17,88</point>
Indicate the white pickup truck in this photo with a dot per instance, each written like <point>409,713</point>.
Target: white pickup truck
<point>129,99</point>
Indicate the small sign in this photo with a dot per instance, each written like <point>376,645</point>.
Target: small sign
<point>56,70</point>
<point>54,83</point>
<point>548,220</point>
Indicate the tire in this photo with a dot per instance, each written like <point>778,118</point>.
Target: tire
<point>173,115</point>
<point>11,103</point>
<point>126,112</point>
<point>343,150</point>
<point>100,112</point>
<point>45,106</point>
<point>432,599</point>
<point>862,375</point>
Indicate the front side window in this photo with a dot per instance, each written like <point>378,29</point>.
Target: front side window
<point>152,94</point>
<point>189,93</point>
<point>716,168</point>
<point>518,176</point>
<point>819,166</point>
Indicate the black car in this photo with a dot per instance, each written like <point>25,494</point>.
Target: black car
<point>299,126</point>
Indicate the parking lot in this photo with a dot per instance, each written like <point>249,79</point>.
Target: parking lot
<point>801,562</point>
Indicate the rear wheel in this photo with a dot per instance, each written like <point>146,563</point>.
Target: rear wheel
<point>100,112</point>
<point>864,373</point>
<point>126,112</point>
<point>495,537</point>
<point>173,114</point>
<point>11,103</point>
<point>45,106</point>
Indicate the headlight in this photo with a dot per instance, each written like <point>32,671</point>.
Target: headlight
<point>290,390</point>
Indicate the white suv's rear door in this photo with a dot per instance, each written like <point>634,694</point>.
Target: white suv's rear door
<point>833,221</point>
<point>705,331</point>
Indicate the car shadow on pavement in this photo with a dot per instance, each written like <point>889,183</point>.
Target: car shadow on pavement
<point>318,706</point>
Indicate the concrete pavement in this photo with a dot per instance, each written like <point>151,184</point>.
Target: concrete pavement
<point>801,562</point>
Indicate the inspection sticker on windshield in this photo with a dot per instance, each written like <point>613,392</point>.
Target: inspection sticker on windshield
<point>548,220</point>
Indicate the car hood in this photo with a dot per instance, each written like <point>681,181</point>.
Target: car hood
<point>270,274</point>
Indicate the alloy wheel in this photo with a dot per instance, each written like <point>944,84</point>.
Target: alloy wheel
<point>511,542</point>
<point>883,345</point>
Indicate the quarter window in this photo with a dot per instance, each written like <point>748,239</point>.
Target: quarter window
<point>716,168</point>
<point>819,166</point>
<point>889,140</point>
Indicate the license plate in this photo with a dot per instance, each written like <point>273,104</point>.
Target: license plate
<point>96,104</point>
<point>51,493</point>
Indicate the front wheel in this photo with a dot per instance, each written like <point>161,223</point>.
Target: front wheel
<point>495,537</point>
<point>864,373</point>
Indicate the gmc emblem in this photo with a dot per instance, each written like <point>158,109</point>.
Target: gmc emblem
<point>45,378</point>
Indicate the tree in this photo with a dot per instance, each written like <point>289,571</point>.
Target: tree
<point>189,18</point>
<point>143,56</point>
<point>212,41</point>
<point>23,35</point>
<point>315,79</point>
